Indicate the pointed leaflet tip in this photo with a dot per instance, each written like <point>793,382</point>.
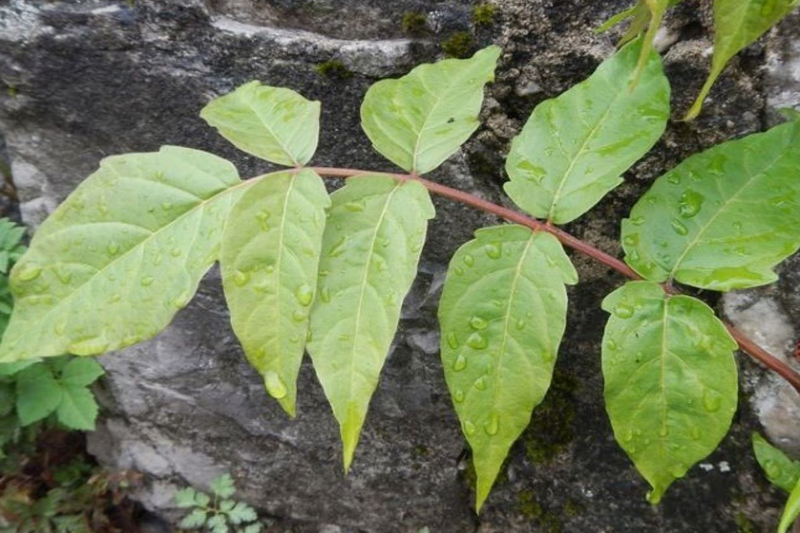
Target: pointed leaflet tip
<point>350,431</point>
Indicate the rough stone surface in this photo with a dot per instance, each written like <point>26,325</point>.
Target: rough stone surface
<point>83,79</point>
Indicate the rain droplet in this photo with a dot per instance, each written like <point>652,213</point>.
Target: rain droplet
<point>631,240</point>
<point>175,252</point>
<point>147,281</point>
<point>480,383</point>
<point>477,341</point>
<point>695,433</point>
<point>493,425</point>
<point>325,295</point>
<point>459,271</point>
<point>240,278</point>
<point>678,227</point>
<point>493,250</point>
<point>674,178</point>
<point>304,294</point>
<point>275,385</point>
<point>628,436</point>
<point>460,363</point>
<point>469,428</point>
<point>690,204</point>
<point>166,206</point>
<point>637,221</point>
<point>182,299</point>
<point>469,260</point>
<point>678,470</point>
<point>477,322</point>
<point>712,401</point>
<point>452,341</point>
<point>113,248</point>
<point>29,272</point>
<point>298,316</point>
<point>772,469</point>
<point>262,217</point>
<point>520,324</point>
<point>354,206</point>
<point>623,310</point>
<point>458,395</point>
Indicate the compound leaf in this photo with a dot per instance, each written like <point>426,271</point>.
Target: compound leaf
<point>113,264</point>
<point>370,250</point>
<point>270,253</point>
<point>780,470</point>
<point>737,24</point>
<point>502,316</point>
<point>670,380</point>
<point>242,513</point>
<point>184,498</point>
<point>194,520</point>
<point>421,119</point>
<point>272,123</point>
<point>38,393</point>
<point>223,486</point>
<point>723,218</point>
<point>791,511</point>
<point>81,372</point>
<point>574,148</point>
<point>78,408</point>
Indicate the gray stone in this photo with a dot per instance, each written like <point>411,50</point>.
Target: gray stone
<point>83,79</point>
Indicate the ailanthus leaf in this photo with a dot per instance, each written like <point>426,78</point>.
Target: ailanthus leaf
<point>722,219</point>
<point>421,119</point>
<point>370,250</point>
<point>270,253</point>
<point>272,123</point>
<point>574,148</point>
<point>114,263</point>
<point>670,380</point>
<point>737,24</point>
<point>780,470</point>
<point>502,316</point>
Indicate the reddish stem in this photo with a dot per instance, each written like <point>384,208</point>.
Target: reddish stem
<point>745,344</point>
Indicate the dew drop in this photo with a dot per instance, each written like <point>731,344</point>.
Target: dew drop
<point>695,433</point>
<point>298,316</point>
<point>631,240</point>
<point>477,322</point>
<point>458,395</point>
<point>166,206</point>
<point>175,252</point>
<point>678,470</point>
<point>262,286</point>
<point>628,436</point>
<point>113,248</point>
<point>354,206</point>
<point>452,341</point>
<point>469,260</point>
<point>690,204</point>
<point>477,341</point>
<point>29,272</point>
<point>674,178</point>
<point>325,295</point>
<point>772,469</point>
<point>493,250</point>
<point>493,425</point>
<point>262,217</point>
<point>547,356</point>
<point>623,310</point>
<point>181,300</point>
<point>240,278</point>
<point>637,221</point>
<point>678,227</point>
<point>712,401</point>
<point>469,428</point>
<point>275,385</point>
<point>520,324</point>
<point>612,345</point>
<point>304,294</point>
<point>147,281</point>
<point>460,363</point>
<point>459,271</point>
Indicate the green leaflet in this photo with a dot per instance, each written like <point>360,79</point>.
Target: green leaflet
<point>737,24</point>
<point>270,252</point>
<point>78,408</point>
<point>373,237</point>
<point>113,264</point>
<point>670,380</point>
<point>574,148</point>
<point>780,470</point>
<point>38,394</point>
<point>502,316</point>
<point>791,511</point>
<point>421,119</point>
<point>722,219</point>
<point>272,123</point>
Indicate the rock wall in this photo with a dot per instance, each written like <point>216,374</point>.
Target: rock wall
<point>83,79</point>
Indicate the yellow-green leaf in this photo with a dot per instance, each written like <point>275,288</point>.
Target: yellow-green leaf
<point>272,123</point>
<point>791,511</point>
<point>737,24</point>
<point>270,252</point>
<point>421,119</point>
<point>670,380</point>
<point>780,470</point>
<point>574,148</point>
<point>502,316</point>
<point>370,250</point>
<point>723,218</point>
<point>114,263</point>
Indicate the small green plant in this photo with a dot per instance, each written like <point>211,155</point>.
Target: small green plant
<point>217,514</point>
<point>305,270</point>
<point>414,23</point>
<point>738,23</point>
<point>484,14</point>
<point>782,472</point>
<point>458,45</point>
<point>333,69</point>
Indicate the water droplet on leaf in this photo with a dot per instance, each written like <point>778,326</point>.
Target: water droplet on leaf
<point>275,385</point>
<point>460,363</point>
<point>477,341</point>
<point>477,322</point>
<point>304,294</point>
